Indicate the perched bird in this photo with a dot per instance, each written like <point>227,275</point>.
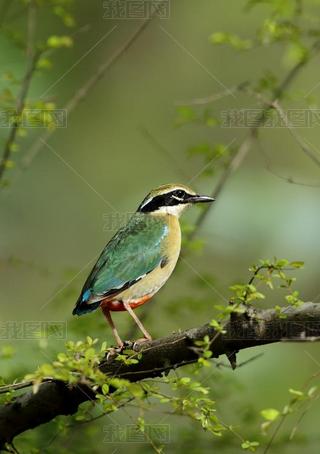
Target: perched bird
<point>140,257</point>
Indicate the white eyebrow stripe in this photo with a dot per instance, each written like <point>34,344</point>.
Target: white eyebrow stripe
<point>146,202</point>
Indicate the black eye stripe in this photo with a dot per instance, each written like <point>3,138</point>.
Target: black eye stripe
<point>170,199</point>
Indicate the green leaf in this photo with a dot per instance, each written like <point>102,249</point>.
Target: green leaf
<point>312,391</point>
<point>270,414</point>
<point>103,347</point>
<point>216,325</point>
<point>6,352</point>
<point>185,115</point>
<point>66,17</point>
<point>44,63</point>
<point>297,264</point>
<point>105,389</point>
<point>232,40</point>
<point>296,53</point>
<point>9,164</point>
<point>62,357</point>
<point>47,370</point>
<point>281,263</point>
<point>57,42</point>
<point>296,393</point>
<point>250,445</point>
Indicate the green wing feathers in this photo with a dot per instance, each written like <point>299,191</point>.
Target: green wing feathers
<point>133,252</point>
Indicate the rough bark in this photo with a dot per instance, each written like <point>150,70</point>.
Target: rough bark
<point>160,356</point>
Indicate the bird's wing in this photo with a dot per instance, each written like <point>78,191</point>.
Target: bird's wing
<point>131,254</point>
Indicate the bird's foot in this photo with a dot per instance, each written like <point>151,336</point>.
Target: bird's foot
<point>115,351</point>
<point>138,342</point>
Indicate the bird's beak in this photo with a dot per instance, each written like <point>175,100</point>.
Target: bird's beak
<point>200,199</point>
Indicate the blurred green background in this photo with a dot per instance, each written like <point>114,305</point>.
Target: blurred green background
<point>56,216</point>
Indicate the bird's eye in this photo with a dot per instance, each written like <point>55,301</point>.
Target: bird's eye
<point>179,193</point>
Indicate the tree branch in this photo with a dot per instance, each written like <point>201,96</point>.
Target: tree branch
<point>245,147</point>
<point>33,57</point>
<point>56,398</point>
<point>81,93</point>
<point>237,158</point>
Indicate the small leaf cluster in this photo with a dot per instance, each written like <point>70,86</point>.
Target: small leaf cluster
<point>286,24</point>
<point>191,399</point>
<point>23,115</point>
<point>78,364</point>
<point>299,399</point>
<point>269,273</point>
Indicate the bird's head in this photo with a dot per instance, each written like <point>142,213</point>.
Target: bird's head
<point>171,199</point>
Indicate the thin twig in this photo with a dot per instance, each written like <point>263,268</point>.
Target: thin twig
<point>246,145</point>
<point>33,57</point>
<point>14,449</point>
<point>243,363</point>
<point>308,151</point>
<point>273,172</point>
<point>82,29</point>
<point>84,90</point>
<point>284,415</point>
<point>214,97</point>
<point>231,167</point>
<point>105,413</point>
<point>301,417</point>
<point>31,30</point>
<point>15,386</point>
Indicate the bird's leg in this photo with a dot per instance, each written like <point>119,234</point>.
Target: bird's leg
<point>107,314</point>
<point>135,318</point>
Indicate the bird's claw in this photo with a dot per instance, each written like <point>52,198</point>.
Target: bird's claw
<point>138,342</point>
<point>115,351</point>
